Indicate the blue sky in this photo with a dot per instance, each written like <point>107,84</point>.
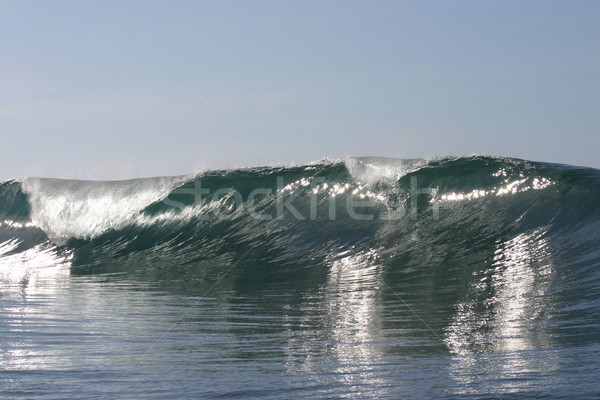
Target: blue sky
<point>297,81</point>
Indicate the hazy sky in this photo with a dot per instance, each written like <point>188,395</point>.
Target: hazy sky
<point>297,81</point>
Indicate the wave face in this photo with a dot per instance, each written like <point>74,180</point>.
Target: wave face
<point>493,246</point>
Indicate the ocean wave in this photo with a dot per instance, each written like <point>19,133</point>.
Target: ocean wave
<point>292,215</point>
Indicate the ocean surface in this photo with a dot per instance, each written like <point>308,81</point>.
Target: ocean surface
<point>463,277</point>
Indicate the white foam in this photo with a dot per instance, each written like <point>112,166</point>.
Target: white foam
<point>371,170</point>
<point>67,209</point>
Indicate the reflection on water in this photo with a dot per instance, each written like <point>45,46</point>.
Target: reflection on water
<point>503,314</point>
<point>348,336</point>
<point>352,298</point>
<point>51,321</point>
<point>350,319</point>
<point>27,280</point>
<point>31,267</point>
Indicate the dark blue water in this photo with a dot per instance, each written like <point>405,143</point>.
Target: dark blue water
<point>371,278</point>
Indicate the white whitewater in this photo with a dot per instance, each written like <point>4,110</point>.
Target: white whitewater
<point>67,209</point>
